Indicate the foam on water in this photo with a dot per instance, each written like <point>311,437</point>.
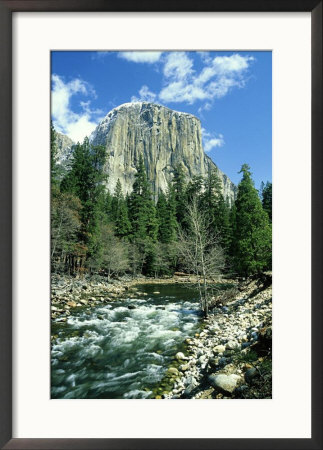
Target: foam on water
<point>115,352</point>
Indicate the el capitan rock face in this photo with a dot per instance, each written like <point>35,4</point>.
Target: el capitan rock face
<point>164,137</point>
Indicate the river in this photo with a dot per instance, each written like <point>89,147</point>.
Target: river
<point>122,349</point>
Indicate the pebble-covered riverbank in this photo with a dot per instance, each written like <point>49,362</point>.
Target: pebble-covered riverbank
<point>231,357</point>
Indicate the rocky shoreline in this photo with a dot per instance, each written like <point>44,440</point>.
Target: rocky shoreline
<point>229,358</point>
<point>69,292</point>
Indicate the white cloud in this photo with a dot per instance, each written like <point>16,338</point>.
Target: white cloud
<point>74,125</point>
<point>87,108</point>
<point>211,140</point>
<point>180,91</point>
<point>205,107</point>
<point>218,76</point>
<point>234,63</point>
<point>145,95</point>
<point>212,143</point>
<point>205,56</point>
<point>141,56</point>
<point>178,66</point>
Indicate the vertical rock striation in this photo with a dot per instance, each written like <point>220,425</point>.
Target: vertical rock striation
<point>164,137</point>
<point>64,150</point>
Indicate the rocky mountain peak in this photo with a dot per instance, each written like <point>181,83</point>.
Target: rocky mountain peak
<point>166,139</point>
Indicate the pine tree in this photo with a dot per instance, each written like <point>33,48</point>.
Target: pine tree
<point>86,181</point>
<point>141,207</point>
<point>267,199</point>
<point>232,233</point>
<point>222,223</point>
<point>65,226</point>
<point>252,234</point>
<point>194,188</point>
<point>179,186</point>
<point>172,221</point>
<point>162,213</point>
<point>106,207</point>
<point>166,215</point>
<point>120,213</point>
<point>216,209</point>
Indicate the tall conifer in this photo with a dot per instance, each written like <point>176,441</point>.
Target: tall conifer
<point>252,234</point>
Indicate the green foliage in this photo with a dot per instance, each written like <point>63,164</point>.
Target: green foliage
<point>142,210</point>
<point>266,194</point>
<point>179,187</point>
<point>252,231</point>
<point>66,251</point>
<point>90,227</point>
<point>119,211</point>
<point>194,188</point>
<point>112,257</point>
<point>166,216</point>
<point>85,180</point>
<point>216,209</point>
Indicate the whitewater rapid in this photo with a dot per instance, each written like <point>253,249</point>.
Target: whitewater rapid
<point>122,350</point>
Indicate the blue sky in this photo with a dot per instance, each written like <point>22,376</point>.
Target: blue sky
<point>230,92</point>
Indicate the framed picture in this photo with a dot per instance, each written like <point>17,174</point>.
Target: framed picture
<point>136,258</point>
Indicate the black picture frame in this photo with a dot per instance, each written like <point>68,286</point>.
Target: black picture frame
<point>7,7</point>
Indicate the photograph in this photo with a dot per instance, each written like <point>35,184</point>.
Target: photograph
<point>161,224</point>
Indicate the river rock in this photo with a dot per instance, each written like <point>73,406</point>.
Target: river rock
<point>219,349</point>
<point>232,345</point>
<point>190,384</point>
<point>71,303</point>
<point>226,383</point>
<point>172,371</point>
<point>180,356</point>
<point>188,391</point>
<point>251,374</point>
<point>245,345</point>
<point>213,362</point>
<point>61,319</point>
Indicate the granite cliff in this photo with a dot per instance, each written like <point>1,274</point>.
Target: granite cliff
<point>64,150</point>
<point>164,137</point>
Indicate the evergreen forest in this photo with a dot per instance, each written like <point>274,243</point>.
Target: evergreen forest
<point>190,228</point>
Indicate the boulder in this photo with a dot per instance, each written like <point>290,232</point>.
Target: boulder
<point>225,383</point>
<point>219,349</point>
<point>180,356</point>
<point>232,345</point>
